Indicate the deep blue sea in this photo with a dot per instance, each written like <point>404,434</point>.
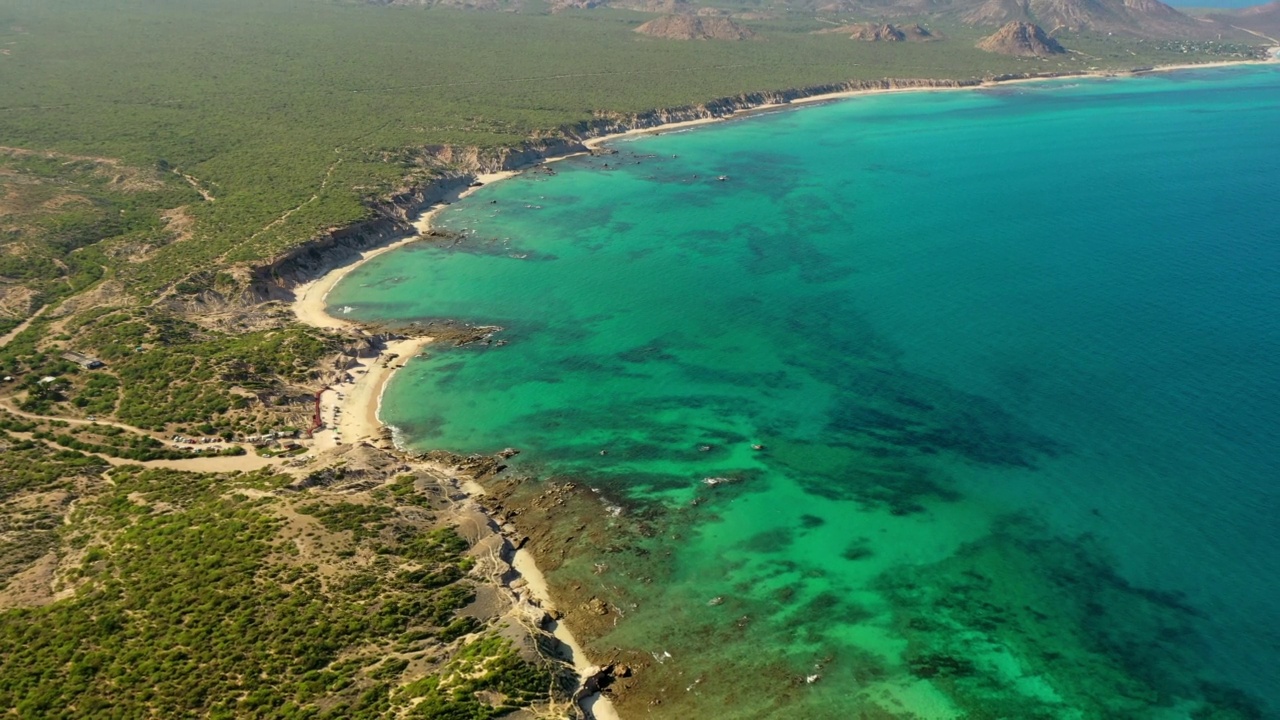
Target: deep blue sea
<point>1012,356</point>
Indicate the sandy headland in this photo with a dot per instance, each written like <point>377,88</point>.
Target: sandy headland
<point>350,404</point>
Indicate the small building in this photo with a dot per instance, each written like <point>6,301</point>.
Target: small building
<point>83,361</point>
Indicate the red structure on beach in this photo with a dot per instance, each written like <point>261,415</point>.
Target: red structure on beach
<point>317,422</point>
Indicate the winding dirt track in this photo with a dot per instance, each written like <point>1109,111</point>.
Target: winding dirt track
<point>9,336</point>
<point>248,462</point>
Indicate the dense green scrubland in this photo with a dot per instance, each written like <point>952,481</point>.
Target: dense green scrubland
<point>292,114</point>
<point>188,595</point>
<point>165,373</point>
<point>150,150</point>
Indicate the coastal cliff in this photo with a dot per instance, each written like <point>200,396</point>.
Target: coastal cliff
<point>458,166</point>
<point>612,123</point>
<point>392,217</point>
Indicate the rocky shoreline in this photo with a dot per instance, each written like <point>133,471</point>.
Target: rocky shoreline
<point>393,218</point>
<point>490,525</point>
<point>550,518</point>
<point>509,594</point>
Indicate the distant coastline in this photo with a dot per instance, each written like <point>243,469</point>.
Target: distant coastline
<point>310,297</point>
<point>405,216</point>
<point>361,403</point>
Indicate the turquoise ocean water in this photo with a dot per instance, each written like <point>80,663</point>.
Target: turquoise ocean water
<point>1013,356</point>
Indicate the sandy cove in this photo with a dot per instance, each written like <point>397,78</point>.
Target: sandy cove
<point>310,298</point>
<point>350,409</point>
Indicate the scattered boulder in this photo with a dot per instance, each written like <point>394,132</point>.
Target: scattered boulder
<point>596,606</point>
<point>1022,39</point>
<point>598,679</point>
<point>693,27</point>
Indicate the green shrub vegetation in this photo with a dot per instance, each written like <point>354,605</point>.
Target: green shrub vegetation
<point>291,114</point>
<point>186,604</point>
<point>150,150</point>
<point>162,370</point>
<point>362,520</point>
<point>58,208</point>
<point>153,148</point>
<point>35,484</point>
<point>488,663</point>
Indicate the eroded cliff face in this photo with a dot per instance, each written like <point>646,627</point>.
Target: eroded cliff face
<point>469,160</point>
<point>606,123</point>
<point>392,218</point>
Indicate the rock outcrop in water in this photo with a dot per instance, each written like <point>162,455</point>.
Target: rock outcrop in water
<point>1022,39</point>
<point>694,27</point>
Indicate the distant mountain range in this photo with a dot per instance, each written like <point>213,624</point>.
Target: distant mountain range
<point>1132,18</point>
<point>1136,18</point>
<point>1261,19</point>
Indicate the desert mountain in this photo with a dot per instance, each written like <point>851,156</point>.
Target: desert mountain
<point>1135,18</point>
<point>1143,18</point>
<point>1022,39</point>
<point>665,7</point>
<point>885,32</point>
<point>1262,19</point>
<point>692,27</point>
<point>487,5</point>
<point>1270,10</point>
